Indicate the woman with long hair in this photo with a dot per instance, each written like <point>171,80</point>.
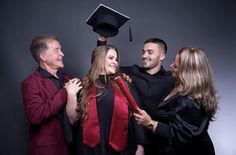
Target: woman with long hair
<point>105,122</point>
<point>182,119</point>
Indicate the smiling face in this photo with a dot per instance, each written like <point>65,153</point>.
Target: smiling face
<point>152,56</point>
<point>52,58</point>
<point>111,62</point>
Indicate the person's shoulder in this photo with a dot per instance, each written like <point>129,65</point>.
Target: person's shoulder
<point>165,72</point>
<point>132,68</point>
<point>187,102</point>
<point>31,77</point>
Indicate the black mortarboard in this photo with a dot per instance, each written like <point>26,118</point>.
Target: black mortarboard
<point>106,21</point>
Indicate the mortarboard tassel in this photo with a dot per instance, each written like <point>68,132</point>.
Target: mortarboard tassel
<point>130,35</point>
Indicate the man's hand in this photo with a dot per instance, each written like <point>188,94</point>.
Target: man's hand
<point>73,86</point>
<point>102,38</point>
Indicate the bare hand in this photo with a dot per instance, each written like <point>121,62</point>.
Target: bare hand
<point>142,118</point>
<point>140,150</point>
<point>73,86</point>
<point>102,38</point>
<point>126,77</point>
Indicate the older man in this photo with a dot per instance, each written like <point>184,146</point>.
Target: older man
<point>45,97</point>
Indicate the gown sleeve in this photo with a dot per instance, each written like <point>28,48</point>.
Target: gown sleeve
<point>101,43</point>
<point>181,120</point>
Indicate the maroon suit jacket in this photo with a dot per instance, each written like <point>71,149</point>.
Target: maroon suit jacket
<point>42,103</point>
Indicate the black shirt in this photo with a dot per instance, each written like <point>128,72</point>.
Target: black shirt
<point>152,89</point>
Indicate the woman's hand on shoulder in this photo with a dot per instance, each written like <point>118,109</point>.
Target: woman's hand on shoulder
<point>126,77</point>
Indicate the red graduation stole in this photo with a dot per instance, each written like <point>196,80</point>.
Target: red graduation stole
<point>119,125</point>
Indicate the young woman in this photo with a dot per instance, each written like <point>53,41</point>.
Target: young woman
<point>106,126</point>
<point>182,119</point>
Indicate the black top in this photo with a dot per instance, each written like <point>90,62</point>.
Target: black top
<point>152,89</point>
<point>182,128</point>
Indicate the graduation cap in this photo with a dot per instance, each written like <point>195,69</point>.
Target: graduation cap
<point>106,21</point>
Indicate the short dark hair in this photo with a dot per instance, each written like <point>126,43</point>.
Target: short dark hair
<point>39,44</point>
<point>157,41</point>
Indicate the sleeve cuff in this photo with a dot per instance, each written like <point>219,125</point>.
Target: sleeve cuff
<point>100,43</point>
<point>162,130</point>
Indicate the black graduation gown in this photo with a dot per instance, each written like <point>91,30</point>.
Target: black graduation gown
<point>136,133</point>
<point>182,128</point>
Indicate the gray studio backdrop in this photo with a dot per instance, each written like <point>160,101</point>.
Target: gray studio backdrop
<point>209,24</point>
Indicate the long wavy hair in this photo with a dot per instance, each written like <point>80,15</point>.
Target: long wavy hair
<point>91,79</point>
<point>195,79</point>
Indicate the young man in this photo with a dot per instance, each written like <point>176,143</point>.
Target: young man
<point>45,97</point>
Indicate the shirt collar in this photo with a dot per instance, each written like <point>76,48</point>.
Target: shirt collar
<point>160,72</point>
<point>46,74</point>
